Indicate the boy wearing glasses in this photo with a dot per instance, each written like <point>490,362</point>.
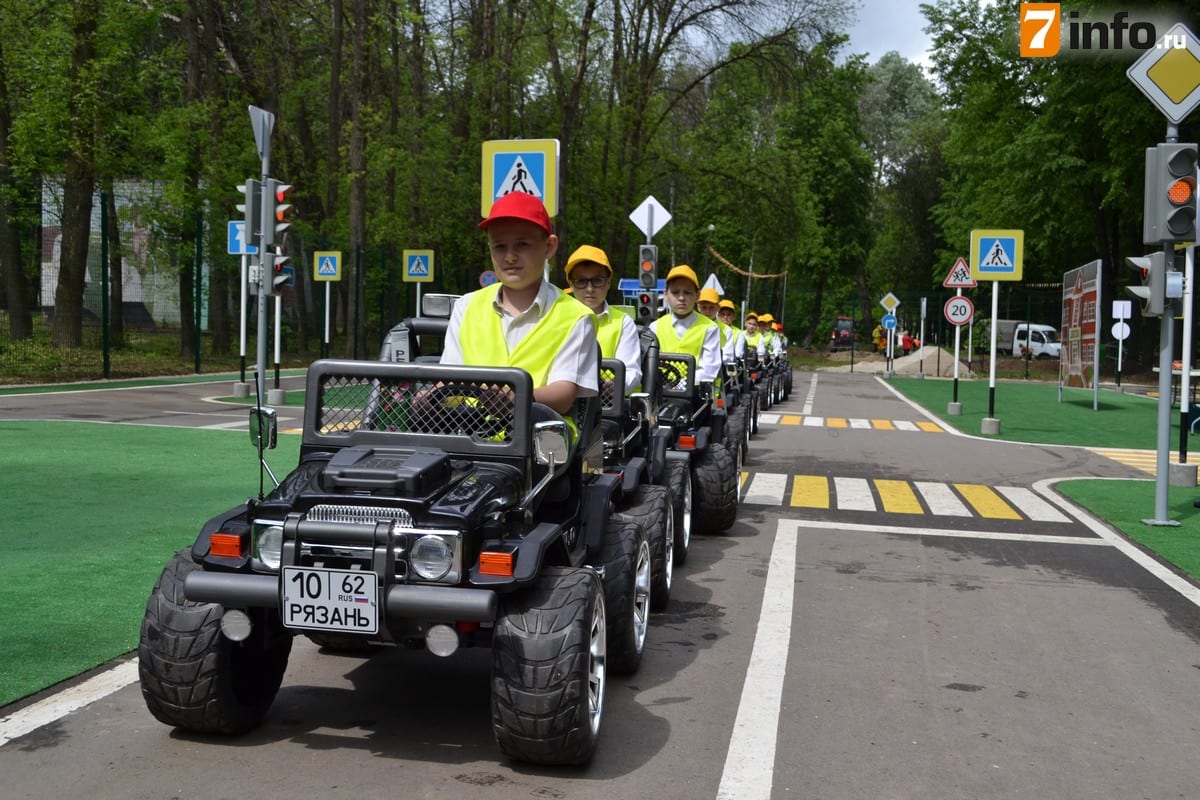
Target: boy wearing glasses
<point>589,273</point>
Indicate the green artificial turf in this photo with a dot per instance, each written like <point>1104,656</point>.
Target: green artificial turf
<point>1125,504</point>
<point>92,513</point>
<point>1032,412</point>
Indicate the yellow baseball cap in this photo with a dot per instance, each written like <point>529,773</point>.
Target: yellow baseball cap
<point>683,271</point>
<point>751,315</point>
<point>727,304</point>
<point>766,318</point>
<point>709,296</point>
<point>588,253</point>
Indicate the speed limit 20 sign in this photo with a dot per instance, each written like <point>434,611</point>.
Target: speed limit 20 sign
<point>959,310</point>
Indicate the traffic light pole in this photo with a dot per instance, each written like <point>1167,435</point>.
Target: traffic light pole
<point>263,122</point>
<point>1166,349</point>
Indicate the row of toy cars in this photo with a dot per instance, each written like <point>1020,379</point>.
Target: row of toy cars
<point>434,508</point>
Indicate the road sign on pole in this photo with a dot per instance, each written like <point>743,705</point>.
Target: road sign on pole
<point>650,217</point>
<point>1170,76</point>
<point>959,310</point>
<point>520,165</point>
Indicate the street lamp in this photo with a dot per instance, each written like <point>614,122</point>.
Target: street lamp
<point>707,242</point>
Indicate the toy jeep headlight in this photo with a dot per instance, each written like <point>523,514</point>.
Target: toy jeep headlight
<point>268,544</point>
<point>432,557</point>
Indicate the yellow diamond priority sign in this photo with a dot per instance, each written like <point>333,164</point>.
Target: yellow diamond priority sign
<point>1169,73</point>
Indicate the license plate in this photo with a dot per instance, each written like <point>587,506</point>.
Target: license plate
<point>340,600</point>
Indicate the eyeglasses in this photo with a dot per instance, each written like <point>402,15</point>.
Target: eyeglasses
<point>580,284</point>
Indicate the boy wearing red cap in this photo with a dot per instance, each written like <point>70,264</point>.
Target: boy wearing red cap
<point>683,330</point>
<point>523,320</point>
<point>589,273</point>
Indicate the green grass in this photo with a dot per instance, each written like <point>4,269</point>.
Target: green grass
<point>92,515</point>
<point>1031,412</point>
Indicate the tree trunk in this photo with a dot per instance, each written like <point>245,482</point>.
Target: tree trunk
<point>357,205</point>
<point>13,288</point>
<point>79,183</point>
<point>116,271</point>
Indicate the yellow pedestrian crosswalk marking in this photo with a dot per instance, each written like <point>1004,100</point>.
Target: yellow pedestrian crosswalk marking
<point>895,496</point>
<point>1144,460</point>
<point>986,501</point>
<point>810,491</point>
<point>898,497</point>
<point>857,423</point>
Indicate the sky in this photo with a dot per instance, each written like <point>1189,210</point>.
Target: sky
<point>885,25</point>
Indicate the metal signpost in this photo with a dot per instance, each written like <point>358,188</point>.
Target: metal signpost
<point>1170,78</point>
<point>327,268</point>
<point>996,255</point>
<point>959,311</point>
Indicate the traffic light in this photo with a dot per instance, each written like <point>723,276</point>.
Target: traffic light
<point>1152,289</point>
<point>252,212</point>
<point>279,210</point>
<point>1170,204</point>
<point>648,266</point>
<point>645,307</point>
<point>281,272</point>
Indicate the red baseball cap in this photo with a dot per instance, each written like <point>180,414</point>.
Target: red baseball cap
<point>519,205</point>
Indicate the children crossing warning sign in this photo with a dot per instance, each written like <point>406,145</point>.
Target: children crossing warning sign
<point>960,276</point>
<point>996,255</point>
<point>418,266</point>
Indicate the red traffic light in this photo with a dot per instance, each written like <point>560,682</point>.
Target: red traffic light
<point>1182,191</point>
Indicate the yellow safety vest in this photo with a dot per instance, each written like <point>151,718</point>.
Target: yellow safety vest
<point>485,346</point>
<point>692,341</point>
<point>608,331</point>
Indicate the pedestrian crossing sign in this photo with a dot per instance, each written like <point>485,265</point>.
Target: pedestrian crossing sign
<point>997,255</point>
<point>327,265</point>
<point>418,266</point>
<point>520,165</point>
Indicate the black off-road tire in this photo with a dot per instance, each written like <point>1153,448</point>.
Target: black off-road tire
<point>755,407</point>
<point>549,669</point>
<point>735,443</point>
<point>192,676</point>
<point>678,478</point>
<point>653,510</point>
<point>628,567</point>
<point>716,489</point>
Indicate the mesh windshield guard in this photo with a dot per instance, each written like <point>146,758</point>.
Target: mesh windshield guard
<point>467,410</point>
<point>677,372</point>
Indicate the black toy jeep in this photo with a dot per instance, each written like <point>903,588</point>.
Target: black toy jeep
<point>429,509</point>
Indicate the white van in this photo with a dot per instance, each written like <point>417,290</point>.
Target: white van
<point>1042,340</point>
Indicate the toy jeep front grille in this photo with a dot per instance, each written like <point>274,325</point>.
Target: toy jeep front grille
<point>358,515</point>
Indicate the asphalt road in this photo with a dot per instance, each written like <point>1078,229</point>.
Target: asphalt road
<point>933,622</point>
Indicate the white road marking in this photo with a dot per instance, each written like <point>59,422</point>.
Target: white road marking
<point>812,394</point>
<point>766,489</point>
<point>60,704</point>
<point>853,494</point>
<point>859,422</point>
<point>1031,505</point>
<point>941,499</point>
<point>750,760</point>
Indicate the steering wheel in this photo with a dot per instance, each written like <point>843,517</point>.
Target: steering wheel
<point>465,409</point>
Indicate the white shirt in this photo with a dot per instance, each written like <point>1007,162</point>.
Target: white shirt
<point>735,348</point>
<point>578,361</point>
<point>629,349</point>
<point>709,366</point>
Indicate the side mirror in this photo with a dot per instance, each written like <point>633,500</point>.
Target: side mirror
<point>264,428</point>
<point>550,443</point>
<point>438,305</point>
